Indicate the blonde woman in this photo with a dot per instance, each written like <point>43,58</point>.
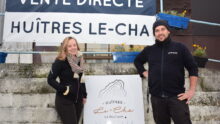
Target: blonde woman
<point>71,92</point>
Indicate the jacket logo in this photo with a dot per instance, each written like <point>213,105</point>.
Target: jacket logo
<point>172,53</point>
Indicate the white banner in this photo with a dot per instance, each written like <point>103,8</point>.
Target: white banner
<point>87,28</point>
<point>114,99</point>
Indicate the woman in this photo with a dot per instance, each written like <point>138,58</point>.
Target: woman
<point>71,92</point>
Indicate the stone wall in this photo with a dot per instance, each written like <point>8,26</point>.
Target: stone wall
<point>26,97</point>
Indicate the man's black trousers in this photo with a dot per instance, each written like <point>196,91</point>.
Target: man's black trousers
<point>166,108</point>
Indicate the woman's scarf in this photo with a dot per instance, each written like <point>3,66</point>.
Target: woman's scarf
<point>76,64</point>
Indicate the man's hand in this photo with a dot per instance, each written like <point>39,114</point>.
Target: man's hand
<point>190,93</point>
<point>187,95</point>
<point>145,74</point>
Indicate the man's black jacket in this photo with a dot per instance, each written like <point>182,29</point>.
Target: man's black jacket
<point>166,61</point>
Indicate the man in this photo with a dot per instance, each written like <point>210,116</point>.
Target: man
<point>166,60</point>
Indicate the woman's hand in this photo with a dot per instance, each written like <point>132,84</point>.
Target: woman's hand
<point>145,74</point>
<point>84,100</point>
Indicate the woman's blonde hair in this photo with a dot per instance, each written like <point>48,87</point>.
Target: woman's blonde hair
<point>63,48</point>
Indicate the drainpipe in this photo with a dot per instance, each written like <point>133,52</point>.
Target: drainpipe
<point>161,6</point>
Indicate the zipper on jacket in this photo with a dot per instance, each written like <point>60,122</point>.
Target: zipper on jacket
<point>77,95</point>
<point>162,64</point>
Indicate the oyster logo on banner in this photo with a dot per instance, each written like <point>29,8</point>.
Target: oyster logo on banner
<point>90,21</point>
<point>115,88</point>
